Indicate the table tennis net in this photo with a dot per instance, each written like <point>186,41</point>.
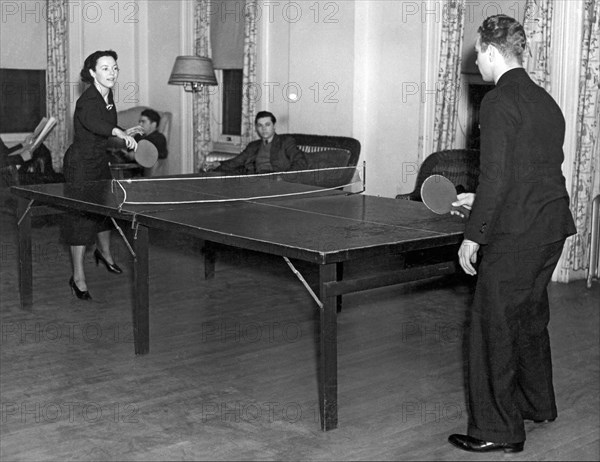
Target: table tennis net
<point>229,188</point>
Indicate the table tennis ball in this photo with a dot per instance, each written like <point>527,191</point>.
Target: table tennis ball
<point>293,96</point>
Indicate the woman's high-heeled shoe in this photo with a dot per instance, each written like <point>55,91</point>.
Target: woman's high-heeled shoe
<point>113,268</point>
<point>81,294</point>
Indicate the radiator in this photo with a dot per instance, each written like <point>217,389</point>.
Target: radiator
<point>594,266</point>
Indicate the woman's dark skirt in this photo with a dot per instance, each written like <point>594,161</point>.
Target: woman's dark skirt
<point>79,228</point>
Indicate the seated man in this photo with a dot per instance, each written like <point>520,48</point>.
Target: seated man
<point>272,153</point>
<point>148,130</point>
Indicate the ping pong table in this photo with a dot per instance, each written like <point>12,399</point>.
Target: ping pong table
<point>283,218</point>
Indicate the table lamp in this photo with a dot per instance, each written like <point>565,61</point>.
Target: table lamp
<point>193,72</point>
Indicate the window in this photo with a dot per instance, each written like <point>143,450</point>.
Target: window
<point>231,102</point>
<point>23,99</point>
<point>227,43</point>
<point>226,110</point>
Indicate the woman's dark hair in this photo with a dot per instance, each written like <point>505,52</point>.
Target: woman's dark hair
<point>506,34</point>
<point>90,63</point>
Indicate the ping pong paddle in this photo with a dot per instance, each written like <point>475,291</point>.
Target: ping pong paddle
<point>146,154</point>
<point>438,193</point>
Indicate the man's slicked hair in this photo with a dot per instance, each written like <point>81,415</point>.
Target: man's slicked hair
<point>506,34</point>
<point>152,115</point>
<point>262,114</point>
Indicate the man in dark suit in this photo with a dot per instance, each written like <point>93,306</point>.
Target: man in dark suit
<point>271,153</point>
<point>517,227</point>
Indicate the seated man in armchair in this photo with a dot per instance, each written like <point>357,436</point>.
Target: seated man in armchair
<point>271,153</point>
<point>147,129</point>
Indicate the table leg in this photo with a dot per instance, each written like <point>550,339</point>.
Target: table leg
<point>25,267</point>
<point>328,350</point>
<point>141,314</point>
<point>340,276</point>
<point>210,258</point>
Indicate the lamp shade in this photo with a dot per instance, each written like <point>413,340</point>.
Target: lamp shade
<point>192,71</point>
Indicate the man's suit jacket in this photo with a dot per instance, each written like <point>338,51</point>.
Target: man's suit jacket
<point>521,199</point>
<point>285,156</point>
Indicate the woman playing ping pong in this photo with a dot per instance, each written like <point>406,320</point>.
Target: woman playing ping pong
<point>94,121</point>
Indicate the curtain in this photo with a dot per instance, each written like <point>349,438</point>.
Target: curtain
<point>249,94</point>
<point>538,26</point>
<point>201,101</point>
<point>588,147</point>
<point>449,75</point>
<point>57,85</point>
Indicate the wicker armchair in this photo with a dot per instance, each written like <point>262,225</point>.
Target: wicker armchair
<point>461,166</point>
<point>323,151</point>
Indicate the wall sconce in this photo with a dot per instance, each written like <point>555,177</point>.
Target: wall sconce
<point>193,72</point>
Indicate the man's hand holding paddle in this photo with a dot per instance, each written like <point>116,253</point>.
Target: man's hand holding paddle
<point>464,200</point>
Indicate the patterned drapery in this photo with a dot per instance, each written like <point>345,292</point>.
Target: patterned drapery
<point>201,102</point>
<point>588,145</point>
<point>449,75</point>
<point>249,94</point>
<point>538,26</point>
<point>57,85</point>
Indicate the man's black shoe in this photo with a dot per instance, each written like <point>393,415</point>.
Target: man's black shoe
<point>468,443</point>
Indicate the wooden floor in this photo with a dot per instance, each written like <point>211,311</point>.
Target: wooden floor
<point>232,368</point>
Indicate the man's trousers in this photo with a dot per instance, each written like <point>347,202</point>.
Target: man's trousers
<point>509,370</point>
